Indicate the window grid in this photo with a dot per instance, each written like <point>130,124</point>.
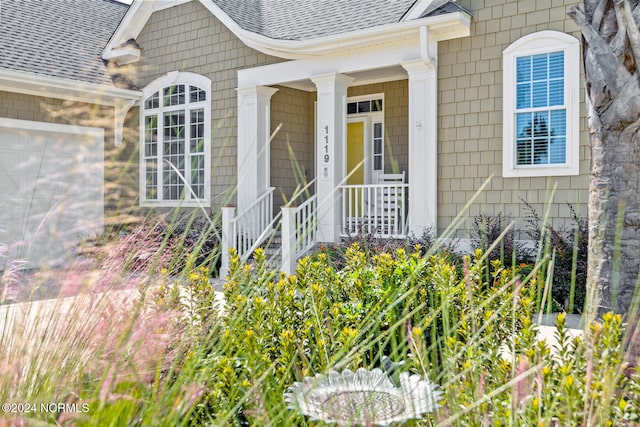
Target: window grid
<point>540,113</point>
<point>196,94</point>
<point>151,156</point>
<point>367,106</point>
<point>152,102</point>
<point>173,155</point>
<point>196,152</point>
<point>178,127</point>
<point>173,95</point>
<point>378,147</point>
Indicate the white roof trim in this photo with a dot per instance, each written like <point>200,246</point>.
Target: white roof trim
<point>442,27</point>
<point>51,127</point>
<point>416,10</point>
<point>130,27</point>
<point>72,90</point>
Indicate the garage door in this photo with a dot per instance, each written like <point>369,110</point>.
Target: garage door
<point>51,189</point>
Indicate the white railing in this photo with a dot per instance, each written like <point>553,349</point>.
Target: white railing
<point>246,231</point>
<point>377,209</point>
<point>299,226</point>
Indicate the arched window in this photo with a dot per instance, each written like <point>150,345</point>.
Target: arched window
<point>175,152</point>
<point>541,133</point>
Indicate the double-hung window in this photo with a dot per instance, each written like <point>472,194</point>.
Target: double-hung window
<point>541,106</point>
<point>175,134</point>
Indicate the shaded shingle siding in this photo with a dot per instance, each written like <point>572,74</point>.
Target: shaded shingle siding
<point>470,117</point>
<point>292,148</point>
<point>61,38</point>
<point>189,38</point>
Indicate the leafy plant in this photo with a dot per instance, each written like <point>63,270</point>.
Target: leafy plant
<point>568,247</point>
<point>488,229</point>
<point>175,357</point>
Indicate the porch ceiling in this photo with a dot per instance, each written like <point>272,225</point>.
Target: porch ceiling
<point>365,77</point>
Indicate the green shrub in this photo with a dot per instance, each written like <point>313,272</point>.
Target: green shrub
<point>568,247</point>
<point>488,229</point>
<point>279,329</point>
<point>465,327</point>
<point>471,335</point>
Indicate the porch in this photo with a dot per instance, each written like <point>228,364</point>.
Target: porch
<point>379,210</point>
<point>349,187</point>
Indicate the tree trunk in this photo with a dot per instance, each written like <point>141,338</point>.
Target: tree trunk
<point>611,44</point>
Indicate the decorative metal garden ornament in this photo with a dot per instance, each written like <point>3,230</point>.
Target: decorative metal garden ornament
<point>365,398</point>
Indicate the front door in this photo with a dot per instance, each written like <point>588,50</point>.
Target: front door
<point>355,153</point>
<point>355,168</point>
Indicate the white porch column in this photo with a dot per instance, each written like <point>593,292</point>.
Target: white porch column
<point>254,130</point>
<point>423,145</point>
<point>331,136</point>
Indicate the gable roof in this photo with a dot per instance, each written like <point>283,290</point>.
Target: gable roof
<point>308,19</point>
<point>59,39</point>
<point>297,29</point>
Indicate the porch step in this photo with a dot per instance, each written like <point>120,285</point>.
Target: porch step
<point>272,249</point>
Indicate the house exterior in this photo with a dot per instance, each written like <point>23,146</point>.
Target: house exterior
<point>368,116</point>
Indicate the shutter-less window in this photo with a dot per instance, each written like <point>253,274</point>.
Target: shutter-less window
<point>541,113</point>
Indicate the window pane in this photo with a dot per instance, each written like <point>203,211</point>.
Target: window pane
<point>151,136</point>
<point>557,150</point>
<point>540,92</point>
<point>523,69</point>
<point>377,130</point>
<point>364,106</point>
<point>377,146</point>
<point>377,163</point>
<point>196,145</point>
<point>524,123</point>
<point>352,108</point>
<point>539,67</point>
<point>197,94</point>
<point>151,173</point>
<point>197,175</point>
<point>556,92</point>
<point>523,95</point>
<point>376,105</point>
<point>541,124</point>
<point>174,95</point>
<point>152,101</point>
<point>558,122</point>
<point>173,155</point>
<point>540,151</point>
<point>150,149</point>
<point>196,142</point>
<point>556,65</point>
<point>523,152</point>
<point>174,125</point>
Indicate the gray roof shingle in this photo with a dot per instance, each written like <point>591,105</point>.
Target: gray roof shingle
<point>309,19</point>
<point>448,7</point>
<point>66,38</point>
<point>58,38</point>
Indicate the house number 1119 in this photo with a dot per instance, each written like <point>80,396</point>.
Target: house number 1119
<point>326,157</point>
<point>326,144</point>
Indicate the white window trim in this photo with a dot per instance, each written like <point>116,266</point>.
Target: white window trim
<point>186,78</point>
<point>532,44</point>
